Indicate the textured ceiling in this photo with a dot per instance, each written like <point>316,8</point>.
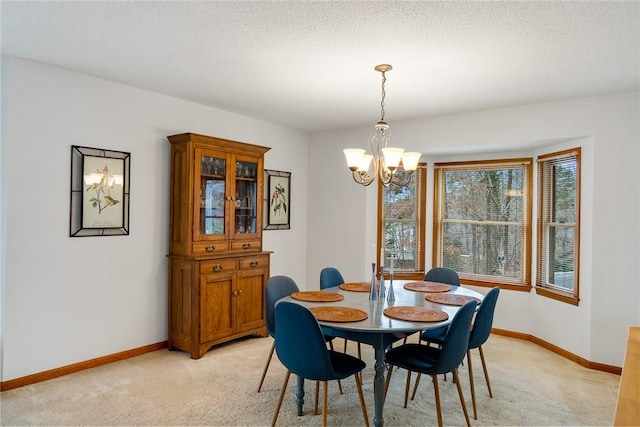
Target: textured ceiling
<point>309,65</point>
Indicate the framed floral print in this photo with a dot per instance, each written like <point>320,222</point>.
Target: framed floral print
<point>99,192</point>
<point>277,200</point>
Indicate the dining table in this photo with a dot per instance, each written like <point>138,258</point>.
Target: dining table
<point>348,311</point>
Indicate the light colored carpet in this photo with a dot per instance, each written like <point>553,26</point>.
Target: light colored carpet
<point>531,386</point>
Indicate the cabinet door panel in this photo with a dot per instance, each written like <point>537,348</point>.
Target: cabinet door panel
<point>217,309</point>
<point>211,194</point>
<point>251,298</point>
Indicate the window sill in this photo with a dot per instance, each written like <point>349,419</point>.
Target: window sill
<point>505,286</point>
<point>557,295</point>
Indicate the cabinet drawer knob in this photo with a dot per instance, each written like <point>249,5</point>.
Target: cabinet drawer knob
<point>254,264</point>
<point>239,291</point>
<point>235,293</point>
<point>210,248</point>
<point>246,246</point>
<point>217,267</point>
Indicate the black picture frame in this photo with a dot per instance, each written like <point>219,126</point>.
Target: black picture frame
<point>99,192</point>
<point>277,200</point>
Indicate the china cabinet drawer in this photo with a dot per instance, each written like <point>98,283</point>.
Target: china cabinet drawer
<point>202,248</point>
<point>254,262</point>
<point>218,266</point>
<point>246,245</point>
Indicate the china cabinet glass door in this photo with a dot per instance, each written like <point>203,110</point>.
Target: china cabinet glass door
<point>212,195</point>
<point>245,200</point>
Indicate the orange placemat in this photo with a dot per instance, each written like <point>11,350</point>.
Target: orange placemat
<point>338,314</point>
<point>356,287</point>
<point>450,299</point>
<point>427,287</point>
<point>317,296</point>
<point>412,313</point>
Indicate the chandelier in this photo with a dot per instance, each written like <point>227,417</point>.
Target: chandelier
<point>386,158</point>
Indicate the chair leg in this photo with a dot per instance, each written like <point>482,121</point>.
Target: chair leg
<point>437,393</point>
<point>386,385</point>
<point>345,346</point>
<point>331,347</point>
<point>266,366</point>
<point>315,406</point>
<point>415,386</point>
<point>284,388</point>
<point>325,397</point>
<point>406,388</point>
<point>359,352</point>
<point>472,385</point>
<point>361,396</point>
<point>456,378</point>
<point>484,368</point>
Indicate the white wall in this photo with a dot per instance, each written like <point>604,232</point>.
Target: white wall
<point>67,300</point>
<point>607,129</point>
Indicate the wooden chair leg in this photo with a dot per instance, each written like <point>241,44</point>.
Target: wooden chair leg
<point>325,397</point>
<point>406,388</point>
<point>484,368</point>
<point>386,385</point>
<point>472,385</point>
<point>315,405</point>
<point>339,383</point>
<point>362,404</point>
<point>437,393</point>
<point>266,366</point>
<point>282,391</point>
<point>415,386</point>
<point>456,378</point>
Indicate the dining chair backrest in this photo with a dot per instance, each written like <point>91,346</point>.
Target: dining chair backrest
<point>484,319</point>
<point>276,287</point>
<point>330,277</point>
<point>300,344</point>
<point>443,275</point>
<point>456,343</point>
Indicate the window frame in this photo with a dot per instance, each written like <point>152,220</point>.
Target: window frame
<point>527,197</point>
<point>542,288</point>
<point>420,209</point>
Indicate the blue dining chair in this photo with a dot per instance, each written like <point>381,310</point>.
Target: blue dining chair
<point>480,332</point>
<point>276,287</point>
<point>433,361</point>
<point>329,278</point>
<point>295,324</point>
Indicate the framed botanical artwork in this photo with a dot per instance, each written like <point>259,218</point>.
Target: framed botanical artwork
<point>277,200</point>
<point>99,192</point>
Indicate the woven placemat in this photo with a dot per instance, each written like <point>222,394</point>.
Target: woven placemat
<point>356,287</point>
<point>338,314</point>
<point>427,287</point>
<point>450,299</point>
<point>317,296</point>
<point>412,313</point>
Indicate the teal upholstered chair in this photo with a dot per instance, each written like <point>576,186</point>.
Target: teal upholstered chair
<point>295,324</point>
<point>433,361</point>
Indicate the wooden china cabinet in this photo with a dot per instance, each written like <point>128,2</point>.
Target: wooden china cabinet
<point>217,268</point>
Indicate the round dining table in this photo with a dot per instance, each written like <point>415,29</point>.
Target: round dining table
<point>376,328</point>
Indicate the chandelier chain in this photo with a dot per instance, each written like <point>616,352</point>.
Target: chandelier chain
<point>384,79</point>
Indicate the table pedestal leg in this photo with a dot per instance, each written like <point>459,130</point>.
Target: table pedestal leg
<point>378,387</point>
<point>300,395</point>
